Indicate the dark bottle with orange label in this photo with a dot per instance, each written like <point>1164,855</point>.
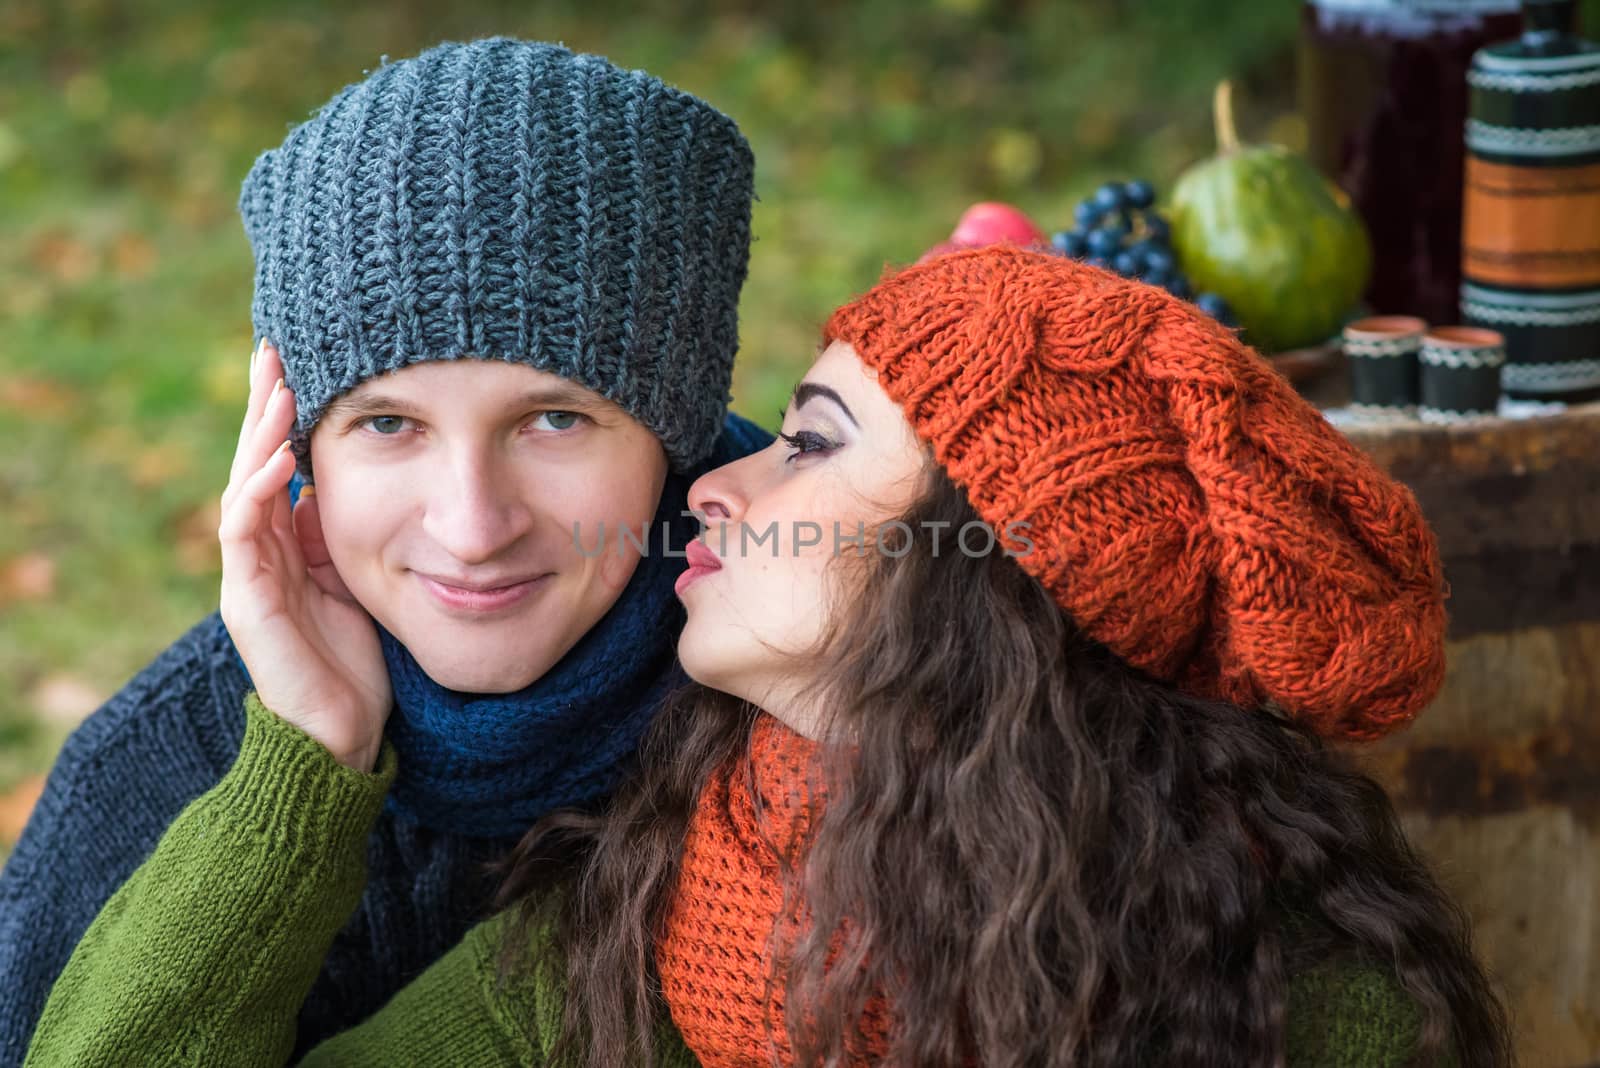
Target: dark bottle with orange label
<point>1530,255</point>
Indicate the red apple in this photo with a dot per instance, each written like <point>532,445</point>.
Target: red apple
<point>990,222</point>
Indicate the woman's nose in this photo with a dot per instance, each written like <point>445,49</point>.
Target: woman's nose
<point>720,495</point>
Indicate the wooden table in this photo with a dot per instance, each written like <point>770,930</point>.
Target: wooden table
<point>1498,781</point>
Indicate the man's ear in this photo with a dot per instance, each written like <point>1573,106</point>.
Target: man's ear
<point>314,547</point>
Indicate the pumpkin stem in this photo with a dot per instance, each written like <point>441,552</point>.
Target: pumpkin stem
<point>1222,116</point>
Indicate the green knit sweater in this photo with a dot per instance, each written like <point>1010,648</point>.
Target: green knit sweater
<point>205,954</point>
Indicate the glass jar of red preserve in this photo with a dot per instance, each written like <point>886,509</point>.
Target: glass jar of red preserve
<point>1383,88</point>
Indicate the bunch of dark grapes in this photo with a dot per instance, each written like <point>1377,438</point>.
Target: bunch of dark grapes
<point>1119,229</point>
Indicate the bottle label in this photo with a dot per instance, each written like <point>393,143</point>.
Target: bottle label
<point>1531,227</point>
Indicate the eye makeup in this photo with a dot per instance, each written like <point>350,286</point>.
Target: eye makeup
<point>807,443</point>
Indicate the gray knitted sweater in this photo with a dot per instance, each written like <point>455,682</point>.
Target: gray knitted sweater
<point>122,778</point>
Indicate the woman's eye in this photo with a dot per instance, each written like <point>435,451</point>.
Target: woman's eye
<point>805,442</point>
<point>387,424</point>
<point>559,420</point>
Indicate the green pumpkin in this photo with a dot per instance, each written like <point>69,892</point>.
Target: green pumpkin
<point>1259,226</point>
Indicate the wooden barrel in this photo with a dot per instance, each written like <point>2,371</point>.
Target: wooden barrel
<point>1498,781</point>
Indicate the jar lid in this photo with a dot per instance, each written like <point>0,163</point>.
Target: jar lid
<point>1548,49</point>
<point>1503,68</point>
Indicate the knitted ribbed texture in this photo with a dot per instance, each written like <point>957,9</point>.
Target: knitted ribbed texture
<point>509,200</point>
<point>205,955</point>
<point>1346,1015</point>
<point>727,918</point>
<point>304,818</point>
<point>450,1015</point>
<point>1187,508</point>
<point>125,775</point>
<point>201,957</point>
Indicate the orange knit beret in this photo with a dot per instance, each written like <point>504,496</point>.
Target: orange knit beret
<point>1187,508</point>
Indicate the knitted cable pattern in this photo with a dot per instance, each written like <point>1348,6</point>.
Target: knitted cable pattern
<point>510,200</point>
<point>1186,507</point>
<point>715,952</point>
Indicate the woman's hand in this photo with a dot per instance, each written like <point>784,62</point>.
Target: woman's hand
<point>311,650</point>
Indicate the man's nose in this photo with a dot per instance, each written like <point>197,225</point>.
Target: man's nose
<point>477,511</point>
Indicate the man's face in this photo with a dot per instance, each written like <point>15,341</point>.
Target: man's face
<point>448,493</point>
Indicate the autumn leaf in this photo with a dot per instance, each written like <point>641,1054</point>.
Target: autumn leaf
<point>195,540</point>
<point>59,253</point>
<point>29,577</point>
<point>16,804</point>
<point>157,465</point>
<point>35,396</point>
<point>65,699</point>
<point>132,255</point>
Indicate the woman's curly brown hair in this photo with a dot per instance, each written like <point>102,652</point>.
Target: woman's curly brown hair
<point>1038,855</point>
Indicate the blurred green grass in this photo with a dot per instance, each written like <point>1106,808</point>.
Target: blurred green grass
<point>126,127</point>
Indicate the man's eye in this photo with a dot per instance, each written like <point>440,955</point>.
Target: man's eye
<point>559,420</point>
<point>387,424</point>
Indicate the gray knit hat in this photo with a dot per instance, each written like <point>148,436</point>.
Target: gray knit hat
<point>509,200</point>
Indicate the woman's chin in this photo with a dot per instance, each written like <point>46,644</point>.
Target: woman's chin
<point>715,661</point>
<point>698,662</point>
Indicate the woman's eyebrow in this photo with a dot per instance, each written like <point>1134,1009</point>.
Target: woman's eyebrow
<point>807,390</point>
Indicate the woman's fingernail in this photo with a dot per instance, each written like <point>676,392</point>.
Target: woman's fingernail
<point>255,353</point>
<point>276,386</point>
<point>279,451</point>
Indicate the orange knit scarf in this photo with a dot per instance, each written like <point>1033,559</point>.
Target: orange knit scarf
<point>715,953</point>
